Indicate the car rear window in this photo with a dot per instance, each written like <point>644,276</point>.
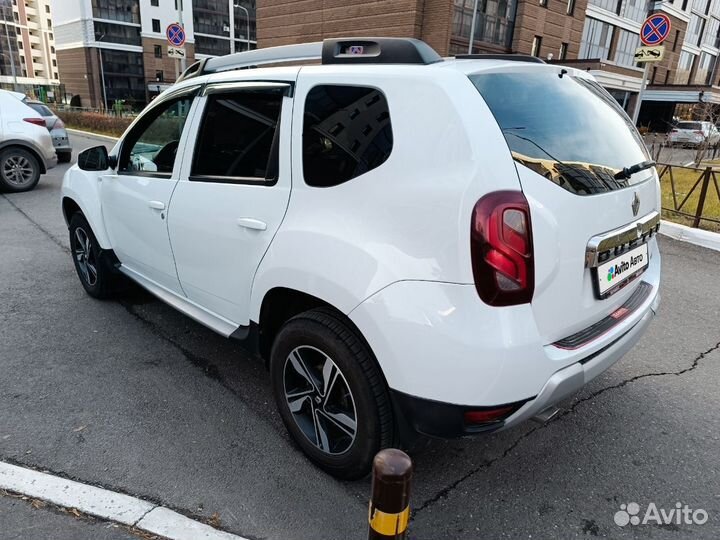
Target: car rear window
<point>41,109</point>
<point>566,128</point>
<point>690,125</point>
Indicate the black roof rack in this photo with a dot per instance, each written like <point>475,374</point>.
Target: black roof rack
<point>360,50</point>
<point>512,57</point>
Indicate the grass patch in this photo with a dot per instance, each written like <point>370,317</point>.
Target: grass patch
<point>99,123</point>
<point>685,179</point>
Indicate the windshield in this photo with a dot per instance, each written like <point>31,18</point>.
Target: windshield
<point>695,126</point>
<point>566,128</point>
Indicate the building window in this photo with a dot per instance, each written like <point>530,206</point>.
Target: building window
<point>493,24</point>
<point>563,51</point>
<point>117,10</point>
<point>158,51</point>
<point>212,46</point>
<point>667,75</point>
<point>52,49</point>
<point>701,6</point>
<point>704,72</point>
<point>652,77</point>
<point>544,3</point>
<point>47,8</point>
<point>625,49</point>
<point>636,10</point>
<point>346,133</point>
<point>536,45</point>
<point>159,76</point>
<point>609,5</point>
<point>694,29</point>
<point>596,39</point>
<point>237,138</point>
<point>570,7</point>
<point>49,23</point>
<point>675,41</point>
<point>117,33</point>
<point>155,3</point>
<point>54,63</point>
<point>55,75</point>
<point>156,25</point>
<point>684,67</point>
<point>711,36</point>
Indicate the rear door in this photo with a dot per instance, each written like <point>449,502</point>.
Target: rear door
<point>569,138</point>
<point>233,193</point>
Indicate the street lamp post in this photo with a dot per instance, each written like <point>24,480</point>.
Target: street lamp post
<point>102,74</point>
<point>10,52</point>
<point>472,28</point>
<point>232,5</point>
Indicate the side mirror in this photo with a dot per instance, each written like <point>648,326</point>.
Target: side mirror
<point>96,159</point>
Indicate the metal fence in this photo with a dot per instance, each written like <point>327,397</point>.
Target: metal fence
<point>684,182</point>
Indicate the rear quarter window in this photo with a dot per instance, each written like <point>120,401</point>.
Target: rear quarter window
<point>346,133</point>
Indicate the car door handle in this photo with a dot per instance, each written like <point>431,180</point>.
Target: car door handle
<point>250,223</point>
<point>156,205</point>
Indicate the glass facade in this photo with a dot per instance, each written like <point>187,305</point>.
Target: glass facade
<point>493,23</point>
<point>711,36</point>
<point>596,39</point>
<point>212,17</point>
<point>610,5</point>
<point>8,55</point>
<point>117,33</point>
<point>684,67</point>
<point>694,29</point>
<point>117,10</point>
<point>627,42</point>
<point>124,76</point>
<point>636,10</point>
<point>703,74</point>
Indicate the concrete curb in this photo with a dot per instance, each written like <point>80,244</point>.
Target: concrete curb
<point>698,237</point>
<point>107,505</point>
<point>91,134</point>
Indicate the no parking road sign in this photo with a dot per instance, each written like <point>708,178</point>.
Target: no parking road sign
<point>175,34</point>
<point>655,29</point>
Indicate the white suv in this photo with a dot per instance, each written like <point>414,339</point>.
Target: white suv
<point>415,245</point>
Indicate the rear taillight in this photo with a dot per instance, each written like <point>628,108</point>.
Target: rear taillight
<point>36,121</point>
<point>501,249</point>
<point>59,124</point>
<point>673,131</point>
<point>698,132</point>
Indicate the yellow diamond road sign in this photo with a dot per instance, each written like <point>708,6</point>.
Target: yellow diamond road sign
<point>649,54</point>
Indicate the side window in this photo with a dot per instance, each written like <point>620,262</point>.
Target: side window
<point>152,145</point>
<point>238,138</point>
<point>346,132</point>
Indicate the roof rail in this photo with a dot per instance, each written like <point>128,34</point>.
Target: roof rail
<point>512,57</point>
<point>359,50</point>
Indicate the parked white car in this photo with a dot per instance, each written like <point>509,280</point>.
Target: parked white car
<point>415,245</point>
<point>26,148</point>
<point>57,129</point>
<point>693,134</point>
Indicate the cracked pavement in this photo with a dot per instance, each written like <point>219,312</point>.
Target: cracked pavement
<point>134,397</point>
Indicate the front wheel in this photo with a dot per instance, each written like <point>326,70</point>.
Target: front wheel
<point>96,277</point>
<point>330,393</point>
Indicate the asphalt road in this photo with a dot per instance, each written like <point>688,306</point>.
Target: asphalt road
<point>133,396</point>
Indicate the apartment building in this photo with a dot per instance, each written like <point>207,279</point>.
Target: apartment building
<point>28,61</point>
<point>599,36</point>
<point>110,50</point>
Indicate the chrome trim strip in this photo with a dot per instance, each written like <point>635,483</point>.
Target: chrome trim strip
<point>646,225</point>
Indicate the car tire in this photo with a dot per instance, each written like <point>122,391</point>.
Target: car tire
<point>19,170</point>
<point>311,349</point>
<point>64,157</point>
<point>97,277</point>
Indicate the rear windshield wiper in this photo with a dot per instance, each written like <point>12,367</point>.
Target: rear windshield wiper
<point>627,172</point>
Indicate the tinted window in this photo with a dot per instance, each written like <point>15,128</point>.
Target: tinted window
<point>41,109</point>
<point>346,133</point>
<point>152,144</point>
<point>238,136</point>
<point>690,125</point>
<point>568,129</point>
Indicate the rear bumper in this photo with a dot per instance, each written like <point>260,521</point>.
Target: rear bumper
<point>446,420</point>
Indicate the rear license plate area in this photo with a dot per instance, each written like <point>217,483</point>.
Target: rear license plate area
<point>612,275</point>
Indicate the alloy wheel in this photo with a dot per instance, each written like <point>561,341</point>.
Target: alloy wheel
<point>18,170</point>
<point>85,257</point>
<point>320,400</point>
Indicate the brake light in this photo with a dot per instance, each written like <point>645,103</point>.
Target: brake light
<point>501,249</point>
<point>36,121</point>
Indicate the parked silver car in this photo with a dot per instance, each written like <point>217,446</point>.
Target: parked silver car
<point>56,126</point>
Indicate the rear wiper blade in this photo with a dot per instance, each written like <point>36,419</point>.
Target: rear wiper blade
<point>627,172</point>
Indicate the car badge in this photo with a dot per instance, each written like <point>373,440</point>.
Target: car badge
<point>636,205</point>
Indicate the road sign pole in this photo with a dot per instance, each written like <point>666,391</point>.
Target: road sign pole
<point>638,101</point>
